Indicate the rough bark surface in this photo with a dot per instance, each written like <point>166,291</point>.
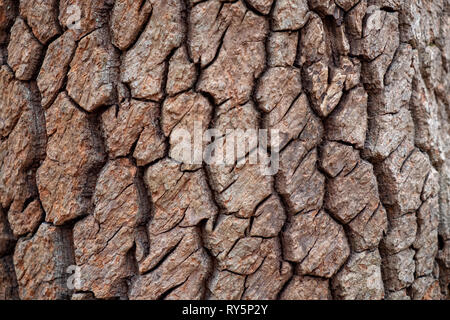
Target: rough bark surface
<point>96,204</point>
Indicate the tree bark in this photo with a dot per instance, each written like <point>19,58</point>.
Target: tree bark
<point>352,201</point>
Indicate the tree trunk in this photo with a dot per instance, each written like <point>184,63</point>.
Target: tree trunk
<point>248,149</point>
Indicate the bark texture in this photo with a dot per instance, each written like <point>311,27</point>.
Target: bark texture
<point>95,204</point>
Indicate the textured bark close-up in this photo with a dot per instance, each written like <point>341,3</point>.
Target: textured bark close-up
<point>349,199</point>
